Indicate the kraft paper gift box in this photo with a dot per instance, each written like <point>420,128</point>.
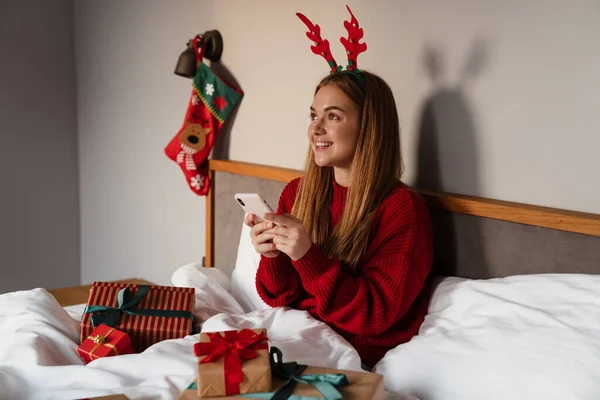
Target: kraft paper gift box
<point>350,385</point>
<point>233,362</point>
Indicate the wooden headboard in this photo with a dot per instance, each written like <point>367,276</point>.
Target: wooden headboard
<point>474,237</point>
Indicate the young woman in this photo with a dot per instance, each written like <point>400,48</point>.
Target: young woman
<point>353,244</point>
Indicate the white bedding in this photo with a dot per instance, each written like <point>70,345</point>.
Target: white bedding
<point>518,338</point>
<point>38,345</point>
<point>530,337</point>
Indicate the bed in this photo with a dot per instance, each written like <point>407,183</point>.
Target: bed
<point>515,313</point>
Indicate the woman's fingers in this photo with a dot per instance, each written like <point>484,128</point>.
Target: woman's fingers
<point>260,227</point>
<point>280,219</point>
<point>284,248</point>
<point>279,230</point>
<point>290,216</point>
<point>263,237</point>
<point>249,220</point>
<point>265,248</point>
<point>262,240</point>
<point>280,240</point>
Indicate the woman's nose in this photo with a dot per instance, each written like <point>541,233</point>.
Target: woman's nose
<point>318,128</point>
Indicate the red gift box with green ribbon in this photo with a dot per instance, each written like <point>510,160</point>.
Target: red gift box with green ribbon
<point>104,341</point>
<point>233,362</point>
<point>148,314</point>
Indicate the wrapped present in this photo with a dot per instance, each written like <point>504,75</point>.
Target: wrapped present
<point>191,393</point>
<point>310,384</point>
<point>148,314</point>
<point>293,381</point>
<point>233,362</point>
<point>104,341</point>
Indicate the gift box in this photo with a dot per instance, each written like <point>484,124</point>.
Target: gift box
<point>360,385</point>
<point>310,383</point>
<point>148,314</point>
<point>191,393</point>
<point>104,342</point>
<point>233,362</point>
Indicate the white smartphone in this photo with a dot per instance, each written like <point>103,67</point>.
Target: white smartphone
<point>253,203</point>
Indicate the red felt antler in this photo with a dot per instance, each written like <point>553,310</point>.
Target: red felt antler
<point>320,47</point>
<point>352,45</point>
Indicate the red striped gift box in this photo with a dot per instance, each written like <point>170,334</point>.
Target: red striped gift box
<point>144,331</point>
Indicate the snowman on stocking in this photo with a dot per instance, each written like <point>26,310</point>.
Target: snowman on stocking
<point>210,105</point>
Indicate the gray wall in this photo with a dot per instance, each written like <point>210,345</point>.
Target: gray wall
<point>139,219</point>
<point>39,201</point>
<point>496,99</point>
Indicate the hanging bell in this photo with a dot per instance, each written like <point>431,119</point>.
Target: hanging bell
<point>213,49</point>
<point>186,64</point>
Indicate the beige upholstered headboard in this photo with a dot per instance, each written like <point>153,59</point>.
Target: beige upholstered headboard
<point>474,237</point>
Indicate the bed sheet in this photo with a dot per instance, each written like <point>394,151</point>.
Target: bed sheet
<point>38,345</point>
<point>525,337</point>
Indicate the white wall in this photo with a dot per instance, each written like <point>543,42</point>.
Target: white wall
<point>39,201</point>
<point>138,218</point>
<point>510,114</point>
<point>521,125</point>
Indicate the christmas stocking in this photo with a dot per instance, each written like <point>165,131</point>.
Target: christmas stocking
<point>211,103</point>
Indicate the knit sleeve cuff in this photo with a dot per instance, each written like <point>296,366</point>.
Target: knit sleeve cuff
<point>312,266</point>
<point>278,270</point>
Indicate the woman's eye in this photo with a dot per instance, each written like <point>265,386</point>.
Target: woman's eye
<point>313,116</point>
<point>333,117</point>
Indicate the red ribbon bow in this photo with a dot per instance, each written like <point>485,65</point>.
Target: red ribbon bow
<point>235,346</point>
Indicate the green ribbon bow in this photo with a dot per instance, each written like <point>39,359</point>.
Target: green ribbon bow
<point>110,315</point>
<point>291,371</point>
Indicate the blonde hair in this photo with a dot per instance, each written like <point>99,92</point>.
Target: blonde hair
<point>376,166</point>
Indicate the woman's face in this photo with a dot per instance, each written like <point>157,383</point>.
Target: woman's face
<point>334,127</point>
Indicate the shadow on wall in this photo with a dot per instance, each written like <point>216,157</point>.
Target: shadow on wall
<point>448,160</point>
<point>222,144</point>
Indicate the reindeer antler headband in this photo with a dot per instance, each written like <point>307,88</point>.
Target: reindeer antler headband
<point>351,44</point>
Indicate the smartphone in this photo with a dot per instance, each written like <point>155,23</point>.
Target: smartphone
<point>253,203</point>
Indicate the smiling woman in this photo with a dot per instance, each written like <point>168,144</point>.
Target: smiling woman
<point>333,131</point>
<point>353,245</point>
<point>350,243</point>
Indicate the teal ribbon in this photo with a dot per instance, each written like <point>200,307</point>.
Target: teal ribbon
<point>291,371</point>
<point>194,386</point>
<point>127,305</point>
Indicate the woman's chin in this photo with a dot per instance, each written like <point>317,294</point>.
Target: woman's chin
<point>322,162</point>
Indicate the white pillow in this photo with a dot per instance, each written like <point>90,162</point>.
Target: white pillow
<point>523,337</point>
<point>243,277</point>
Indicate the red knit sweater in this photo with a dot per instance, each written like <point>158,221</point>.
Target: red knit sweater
<point>382,303</point>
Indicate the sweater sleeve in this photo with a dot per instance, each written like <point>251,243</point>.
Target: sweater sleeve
<point>391,278</point>
<point>277,282</point>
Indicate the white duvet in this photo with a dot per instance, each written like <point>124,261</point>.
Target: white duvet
<point>518,338</point>
<point>530,337</point>
<point>39,339</point>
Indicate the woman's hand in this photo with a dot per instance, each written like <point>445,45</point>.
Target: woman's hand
<point>290,236</point>
<point>261,240</point>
